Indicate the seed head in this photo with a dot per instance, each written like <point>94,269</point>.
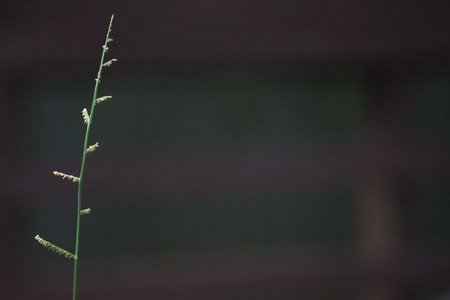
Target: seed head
<point>54,248</point>
<point>109,62</point>
<point>64,176</point>
<point>85,212</point>
<point>101,99</point>
<point>92,148</point>
<point>85,115</point>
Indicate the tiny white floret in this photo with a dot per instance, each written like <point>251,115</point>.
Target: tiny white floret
<point>85,115</point>
<point>92,148</point>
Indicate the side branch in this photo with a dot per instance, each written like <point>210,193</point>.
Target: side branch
<point>65,176</point>
<point>54,248</point>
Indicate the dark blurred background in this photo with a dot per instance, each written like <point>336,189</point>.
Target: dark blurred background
<point>252,150</point>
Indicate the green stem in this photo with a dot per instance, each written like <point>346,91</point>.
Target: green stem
<point>86,139</point>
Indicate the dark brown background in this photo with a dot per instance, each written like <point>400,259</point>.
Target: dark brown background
<point>252,150</point>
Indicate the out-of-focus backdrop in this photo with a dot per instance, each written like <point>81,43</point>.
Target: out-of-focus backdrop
<point>252,150</point>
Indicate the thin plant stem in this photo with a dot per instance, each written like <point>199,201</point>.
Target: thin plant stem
<point>86,139</point>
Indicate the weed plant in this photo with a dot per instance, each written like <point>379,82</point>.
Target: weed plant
<point>87,118</point>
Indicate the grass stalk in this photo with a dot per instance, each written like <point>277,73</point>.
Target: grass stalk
<point>88,118</point>
<point>83,160</point>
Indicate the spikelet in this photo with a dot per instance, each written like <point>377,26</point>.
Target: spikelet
<point>92,148</point>
<point>64,176</point>
<point>85,212</point>
<point>109,62</point>
<point>54,248</point>
<point>102,99</point>
<point>85,115</point>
